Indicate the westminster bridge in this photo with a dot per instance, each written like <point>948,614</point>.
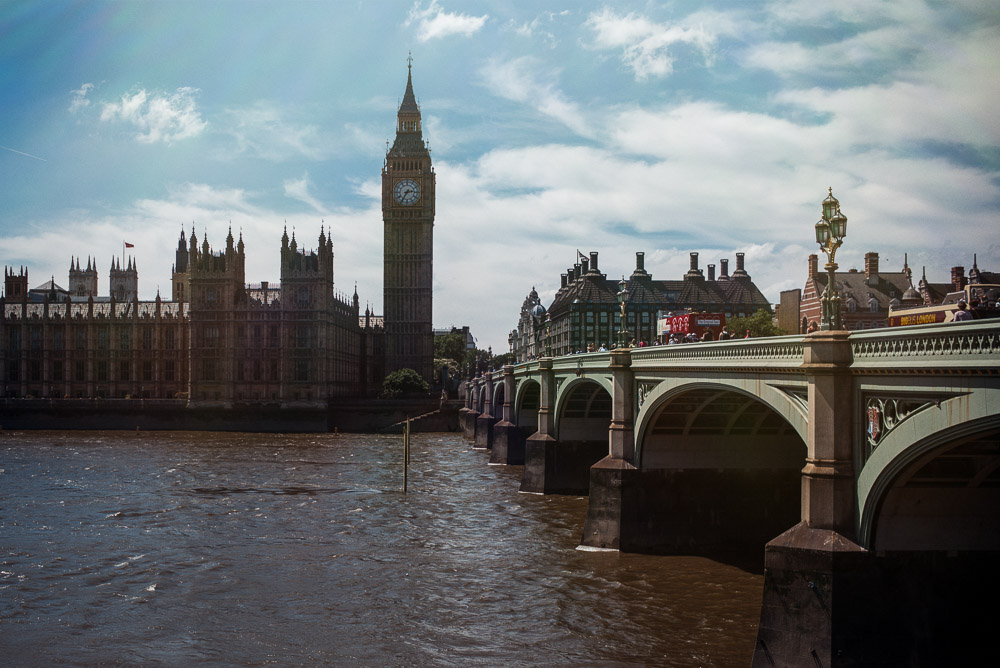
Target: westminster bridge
<point>868,463</point>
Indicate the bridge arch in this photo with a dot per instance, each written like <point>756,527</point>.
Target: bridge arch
<point>527,400</point>
<point>583,409</point>
<point>498,397</point>
<point>720,468</point>
<point>763,402</point>
<point>935,485</point>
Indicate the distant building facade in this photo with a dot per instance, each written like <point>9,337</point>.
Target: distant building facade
<point>867,296</point>
<point>219,341</point>
<point>586,309</point>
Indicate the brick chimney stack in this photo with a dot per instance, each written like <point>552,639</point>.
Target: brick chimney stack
<point>957,278</point>
<point>813,266</point>
<point>871,268</point>
<point>711,272</point>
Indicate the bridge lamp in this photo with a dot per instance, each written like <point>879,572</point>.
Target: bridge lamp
<point>622,299</point>
<point>830,232</point>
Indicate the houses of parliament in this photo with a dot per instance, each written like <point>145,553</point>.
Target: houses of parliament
<point>220,341</point>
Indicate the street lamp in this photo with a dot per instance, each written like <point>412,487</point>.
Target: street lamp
<point>548,335</point>
<point>622,298</point>
<point>830,232</point>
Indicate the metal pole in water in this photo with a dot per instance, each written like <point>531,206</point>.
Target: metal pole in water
<point>406,451</point>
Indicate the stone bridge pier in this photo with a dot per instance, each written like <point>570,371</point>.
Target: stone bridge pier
<point>485,420</point>
<point>508,441</point>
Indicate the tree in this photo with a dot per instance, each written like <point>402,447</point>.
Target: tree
<point>759,324</point>
<point>450,346</point>
<point>403,382</point>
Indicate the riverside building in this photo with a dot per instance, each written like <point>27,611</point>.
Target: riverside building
<point>219,341</point>
<point>586,309</point>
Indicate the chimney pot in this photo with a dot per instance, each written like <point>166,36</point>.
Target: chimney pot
<point>694,262</point>
<point>640,261</point>
<point>724,268</point>
<point>593,261</point>
<point>711,272</point>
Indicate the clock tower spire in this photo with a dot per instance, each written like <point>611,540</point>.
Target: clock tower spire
<point>408,254</point>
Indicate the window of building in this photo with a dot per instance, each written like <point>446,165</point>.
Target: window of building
<point>80,371</point>
<point>168,338</point>
<point>13,371</point>
<point>210,336</point>
<point>274,371</point>
<point>57,371</point>
<point>147,370</point>
<point>35,370</point>
<point>102,370</point>
<point>57,338</point>
<point>303,336</point>
<point>35,332</point>
<point>102,337</point>
<point>125,371</point>
<point>14,339</point>
<point>168,370</point>
<point>208,369</point>
<point>301,370</point>
<point>125,339</point>
<point>147,338</point>
<point>81,338</point>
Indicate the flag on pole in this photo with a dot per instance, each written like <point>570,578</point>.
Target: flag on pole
<point>128,245</point>
<point>581,255</point>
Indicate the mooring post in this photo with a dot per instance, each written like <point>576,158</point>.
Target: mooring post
<point>406,452</point>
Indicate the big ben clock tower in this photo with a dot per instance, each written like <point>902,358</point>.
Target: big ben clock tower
<point>408,254</point>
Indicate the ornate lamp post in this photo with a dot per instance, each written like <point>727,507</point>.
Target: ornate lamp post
<point>622,299</point>
<point>548,335</point>
<point>830,232</point>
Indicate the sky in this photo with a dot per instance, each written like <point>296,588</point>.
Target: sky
<point>554,127</point>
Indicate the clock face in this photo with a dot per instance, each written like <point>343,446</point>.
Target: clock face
<point>406,191</point>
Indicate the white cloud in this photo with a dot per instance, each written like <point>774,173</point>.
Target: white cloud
<point>520,80</point>
<point>539,26</point>
<point>158,117</point>
<point>79,100</point>
<point>434,22</point>
<point>646,46</point>
<point>299,189</point>
<point>265,131</point>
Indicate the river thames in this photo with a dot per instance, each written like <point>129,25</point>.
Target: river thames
<point>183,548</point>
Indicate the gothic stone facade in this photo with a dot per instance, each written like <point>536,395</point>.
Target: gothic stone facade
<point>217,342</point>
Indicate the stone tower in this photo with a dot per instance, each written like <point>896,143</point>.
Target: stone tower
<point>180,276</point>
<point>82,282</point>
<point>408,255</point>
<point>123,283</point>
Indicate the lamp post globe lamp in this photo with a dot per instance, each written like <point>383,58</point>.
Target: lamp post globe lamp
<point>622,299</point>
<point>830,232</point>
